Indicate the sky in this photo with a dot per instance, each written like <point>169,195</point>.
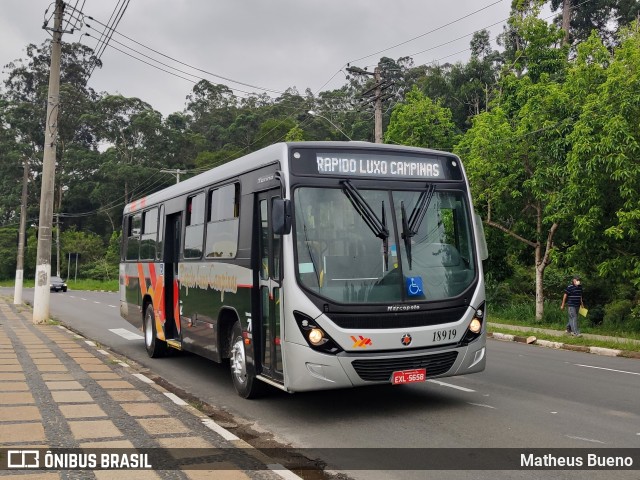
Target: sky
<point>270,44</point>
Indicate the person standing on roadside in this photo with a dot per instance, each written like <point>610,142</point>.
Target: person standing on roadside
<point>573,299</point>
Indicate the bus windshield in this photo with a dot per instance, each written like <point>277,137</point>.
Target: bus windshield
<point>380,246</point>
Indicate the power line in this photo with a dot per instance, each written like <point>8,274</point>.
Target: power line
<point>161,63</point>
<point>100,47</point>
<point>113,30</point>
<point>427,33</point>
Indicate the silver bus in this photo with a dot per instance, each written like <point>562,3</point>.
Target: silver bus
<point>313,265</point>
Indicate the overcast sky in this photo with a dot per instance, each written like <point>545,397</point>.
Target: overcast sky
<point>274,44</point>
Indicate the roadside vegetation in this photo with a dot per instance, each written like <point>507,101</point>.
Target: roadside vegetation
<point>546,124</point>
<point>623,344</point>
<point>80,284</point>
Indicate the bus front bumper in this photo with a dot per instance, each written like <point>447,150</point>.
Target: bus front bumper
<point>320,371</point>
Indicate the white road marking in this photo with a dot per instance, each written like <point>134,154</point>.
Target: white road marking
<point>482,405</point>
<point>608,369</point>
<point>223,432</point>
<point>112,306</point>
<point>450,385</point>
<point>126,334</point>
<point>175,399</point>
<point>122,364</point>
<point>584,439</point>
<point>96,302</point>
<point>90,343</point>
<point>104,352</point>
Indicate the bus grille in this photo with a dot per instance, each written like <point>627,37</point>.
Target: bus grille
<point>380,370</point>
<point>396,320</point>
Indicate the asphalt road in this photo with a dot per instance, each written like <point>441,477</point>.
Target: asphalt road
<point>529,397</point>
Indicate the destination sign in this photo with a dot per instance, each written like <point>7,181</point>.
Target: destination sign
<point>365,165</point>
<point>374,164</point>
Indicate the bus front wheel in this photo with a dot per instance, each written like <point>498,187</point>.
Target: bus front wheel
<point>155,347</point>
<point>245,383</point>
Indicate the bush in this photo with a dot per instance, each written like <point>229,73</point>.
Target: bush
<point>596,315</point>
<point>617,313</point>
<point>555,282</point>
<point>552,314</point>
<point>519,289</point>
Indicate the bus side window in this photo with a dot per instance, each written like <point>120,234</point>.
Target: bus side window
<point>149,234</point>
<point>194,230</point>
<point>133,236</point>
<point>160,242</point>
<point>222,222</point>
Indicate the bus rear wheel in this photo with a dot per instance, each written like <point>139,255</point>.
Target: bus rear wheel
<point>155,347</point>
<point>244,382</point>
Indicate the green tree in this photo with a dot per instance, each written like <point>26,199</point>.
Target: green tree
<point>421,123</point>
<point>603,164</point>
<point>23,117</point>
<point>604,16</point>
<point>8,243</point>
<point>516,152</point>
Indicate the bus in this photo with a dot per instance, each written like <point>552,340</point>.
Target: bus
<point>313,265</point>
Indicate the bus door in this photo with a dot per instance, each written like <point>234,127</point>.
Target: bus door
<point>270,291</point>
<point>173,230</point>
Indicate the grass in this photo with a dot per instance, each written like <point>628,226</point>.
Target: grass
<point>80,284</point>
<point>567,339</point>
<point>524,315</point>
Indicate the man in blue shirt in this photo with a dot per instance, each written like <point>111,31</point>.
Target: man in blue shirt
<point>573,298</point>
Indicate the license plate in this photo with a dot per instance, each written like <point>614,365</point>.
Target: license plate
<point>409,376</point>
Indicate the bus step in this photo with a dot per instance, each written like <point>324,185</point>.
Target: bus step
<point>173,343</point>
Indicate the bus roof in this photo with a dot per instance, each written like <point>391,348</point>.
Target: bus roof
<point>254,160</point>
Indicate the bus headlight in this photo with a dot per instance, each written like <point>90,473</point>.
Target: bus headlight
<point>475,326</point>
<point>315,336</point>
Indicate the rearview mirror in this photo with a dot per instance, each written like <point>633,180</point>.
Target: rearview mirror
<point>281,216</point>
<point>482,240</point>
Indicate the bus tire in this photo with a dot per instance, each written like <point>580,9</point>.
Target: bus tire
<point>245,383</point>
<point>155,347</point>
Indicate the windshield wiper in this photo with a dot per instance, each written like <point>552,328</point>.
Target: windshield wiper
<point>411,226</point>
<point>376,225</point>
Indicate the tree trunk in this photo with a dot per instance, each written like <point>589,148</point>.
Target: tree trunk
<point>542,260</point>
<point>566,20</point>
<point>540,267</point>
<point>542,252</point>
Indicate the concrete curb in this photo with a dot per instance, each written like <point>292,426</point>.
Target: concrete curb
<point>609,352</point>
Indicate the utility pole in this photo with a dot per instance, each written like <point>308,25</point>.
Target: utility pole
<point>377,108</point>
<point>175,172</point>
<point>42,293</point>
<point>57,215</point>
<point>17,294</point>
<point>375,97</point>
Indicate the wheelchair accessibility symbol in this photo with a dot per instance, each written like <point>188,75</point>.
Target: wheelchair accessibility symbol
<point>414,287</point>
